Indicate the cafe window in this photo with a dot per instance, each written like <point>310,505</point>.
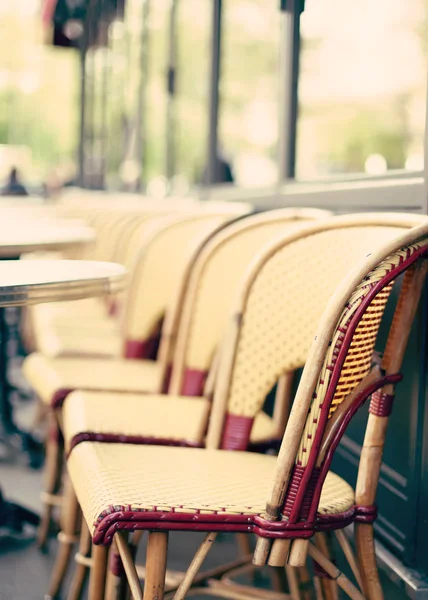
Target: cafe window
<point>362,87</point>
<point>154,126</point>
<point>248,127</point>
<point>38,98</point>
<point>192,78</point>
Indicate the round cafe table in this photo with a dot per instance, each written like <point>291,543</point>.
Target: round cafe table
<point>18,237</point>
<point>31,282</point>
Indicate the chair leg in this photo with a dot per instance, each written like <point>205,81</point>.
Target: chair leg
<point>195,566</point>
<point>349,554</point>
<point>97,577</point>
<point>40,416</point>
<point>341,579</point>
<point>298,553</point>
<point>53,472</point>
<point>327,584</point>
<point>305,583</point>
<point>83,562</point>
<point>364,541</point>
<point>244,544</point>
<point>70,513</point>
<point>293,583</point>
<point>157,548</point>
<point>319,594</point>
<point>128,561</point>
<point>278,579</point>
<point>116,584</point>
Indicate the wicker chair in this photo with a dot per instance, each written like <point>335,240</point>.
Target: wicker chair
<point>89,327</point>
<point>199,322</point>
<point>165,246</point>
<point>86,327</point>
<point>291,311</point>
<point>53,378</point>
<point>92,327</point>
<point>94,415</point>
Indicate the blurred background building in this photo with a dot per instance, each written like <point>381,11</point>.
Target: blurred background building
<point>147,89</point>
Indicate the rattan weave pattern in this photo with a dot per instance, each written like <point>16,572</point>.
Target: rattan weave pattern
<point>55,332</point>
<point>359,355</point>
<point>217,286</point>
<point>157,272</point>
<point>165,417</point>
<point>144,415</point>
<point>264,429</point>
<point>48,375</point>
<point>57,342</point>
<point>89,308</point>
<point>116,234</point>
<point>60,330</point>
<point>131,244</point>
<point>285,305</point>
<point>108,476</point>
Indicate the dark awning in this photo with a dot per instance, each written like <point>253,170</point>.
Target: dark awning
<point>66,18</point>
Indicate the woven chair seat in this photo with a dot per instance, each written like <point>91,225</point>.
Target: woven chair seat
<point>101,324</point>
<point>114,479</point>
<point>68,342</point>
<point>144,419</point>
<point>89,308</point>
<point>134,418</point>
<point>264,429</point>
<point>94,308</point>
<point>77,318</point>
<point>51,377</point>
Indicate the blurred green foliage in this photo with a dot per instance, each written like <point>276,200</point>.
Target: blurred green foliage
<point>39,95</point>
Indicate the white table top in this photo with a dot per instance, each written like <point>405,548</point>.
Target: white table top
<point>20,236</point>
<point>31,282</point>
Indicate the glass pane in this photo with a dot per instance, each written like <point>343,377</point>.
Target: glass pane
<point>249,90</point>
<point>137,94</point>
<point>191,110</point>
<point>156,102</point>
<point>362,86</point>
<point>117,77</point>
<point>39,105</point>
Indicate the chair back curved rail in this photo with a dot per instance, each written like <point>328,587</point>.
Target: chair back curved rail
<point>213,284</point>
<point>313,298</point>
<point>325,318</point>
<point>158,269</point>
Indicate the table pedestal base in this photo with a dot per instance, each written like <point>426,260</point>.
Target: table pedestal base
<point>13,440</point>
<point>14,518</point>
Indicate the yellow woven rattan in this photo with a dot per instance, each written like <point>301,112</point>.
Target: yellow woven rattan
<point>166,417</point>
<point>226,256</point>
<point>285,304</point>
<point>215,279</point>
<point>146,416</point>
<point>109,476</point>
<point>359,355</point>
<point>165,244</point>
<point>158,270</point>
<point>70,332</point>
<point>49,375</point>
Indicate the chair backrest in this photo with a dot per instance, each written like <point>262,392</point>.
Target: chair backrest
<point>119,234</point>
<point>212,286</point>
<point>109,229</point>
<point>87,204</point>
<point>119,230</point>
<point>314,298</point>
<point>133,231</point>
<point>157,272</point>
<point>122,235</point>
